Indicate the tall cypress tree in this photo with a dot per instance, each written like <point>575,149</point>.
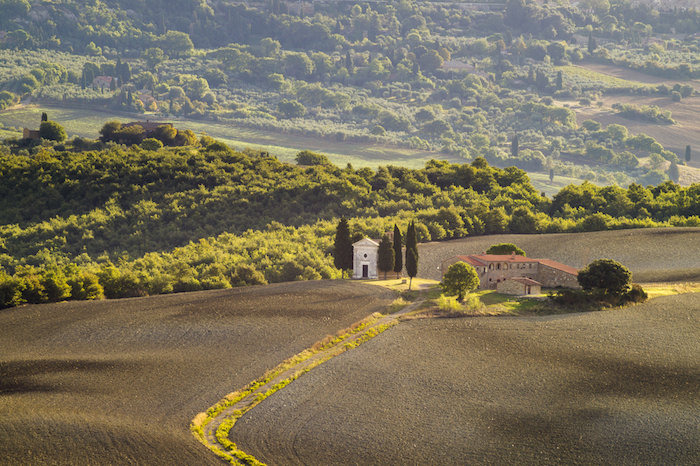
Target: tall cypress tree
<point>411,252</point>
<point>342,257</point>
<point>514,146</point>
<point>592,43</point>
<point>398,251</point>
<point>385,259</point>
<point>687,153</point>
<point>349,64</point>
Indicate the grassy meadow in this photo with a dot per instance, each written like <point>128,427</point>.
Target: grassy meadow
<point>87,122</point>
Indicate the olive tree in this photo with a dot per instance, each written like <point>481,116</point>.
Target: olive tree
<point>460,279</point>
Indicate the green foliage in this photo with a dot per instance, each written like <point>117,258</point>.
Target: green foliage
<point>52,131</point>
<point>386,258</point>
<point>307,157</point>
<point>607,275</point>
<point>505,249</point>
<point>342,246</point>
<point>398,251</point>
<point>460,279</point>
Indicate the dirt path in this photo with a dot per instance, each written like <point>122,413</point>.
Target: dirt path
<point>214,434</point>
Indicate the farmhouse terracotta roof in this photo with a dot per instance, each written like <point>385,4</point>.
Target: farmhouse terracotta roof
<point>558,266</point>
<point>485,259</point>
<point>525,281</point>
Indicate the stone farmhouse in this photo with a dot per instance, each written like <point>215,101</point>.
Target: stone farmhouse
<point>514,274</point>
<point>103,82</point>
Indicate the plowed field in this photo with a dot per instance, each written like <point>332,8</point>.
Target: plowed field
<point>615,387</point>
<point>652,254</point>
<point>117,382</point>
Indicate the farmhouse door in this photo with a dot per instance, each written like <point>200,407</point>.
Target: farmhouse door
<point>365,271</point>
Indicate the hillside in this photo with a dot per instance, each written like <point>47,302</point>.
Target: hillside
<point>653,255</point>
<point>117,382</point>
<point>612,387</point>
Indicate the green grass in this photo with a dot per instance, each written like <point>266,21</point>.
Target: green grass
<point>595,76</point>
<point>541,182</point>
<point>657,290</point>
<point>86,122</point>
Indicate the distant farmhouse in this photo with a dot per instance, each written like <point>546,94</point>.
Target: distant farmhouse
<point>514,274</point>
<point>103,82</point>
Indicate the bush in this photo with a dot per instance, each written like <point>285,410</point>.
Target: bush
<point>151,144</point>
<point>636,294</point>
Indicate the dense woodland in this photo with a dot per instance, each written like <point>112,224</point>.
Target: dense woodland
<point>131,222</point>
<point>367,72</point>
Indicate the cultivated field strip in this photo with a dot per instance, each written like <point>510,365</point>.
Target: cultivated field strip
<point>617,387</point>
<point>118,381</point>
<point>212,428</point>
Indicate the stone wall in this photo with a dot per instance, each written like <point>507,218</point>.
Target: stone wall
<point>552,278</point>
<point>516,288</point>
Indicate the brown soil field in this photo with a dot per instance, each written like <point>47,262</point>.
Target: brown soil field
<point>118,382</point>
<point>673,137</point>
<point>613,387</point>
<point>652,254</point>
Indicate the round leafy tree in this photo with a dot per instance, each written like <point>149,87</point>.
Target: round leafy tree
<point>502,249</point>
<point>460,279</point>
<point>52,131</point>
<point>607,275</point>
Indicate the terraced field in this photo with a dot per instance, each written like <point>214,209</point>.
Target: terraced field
<point>615,387</point>
<point>118,382</point>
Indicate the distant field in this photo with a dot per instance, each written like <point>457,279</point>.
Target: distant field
<point>618,387</point>
<point>652,254</point>
<point>594,75</point>
<point>686,113</point>
<point>118,382</point>
<point>87,123</point>
<point>541,182</point>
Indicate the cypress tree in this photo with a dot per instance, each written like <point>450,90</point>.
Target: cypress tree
<point>514,146</point>
<point>411,265</point>
<point>560,81</point>
<point>349,64</point>
<point>687,153</point>
<point>411,252</point>
<point>398,251</point>
<point>673,172</point>
<point>592,44</point>
<point>385,259</point>
<point>342,256</point>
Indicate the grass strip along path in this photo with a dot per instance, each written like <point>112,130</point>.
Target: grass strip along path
<point>212,427</point>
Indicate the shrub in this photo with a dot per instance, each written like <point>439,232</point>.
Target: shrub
<point>151,144</point>
<point>446,303</point>
<point>636,294</point>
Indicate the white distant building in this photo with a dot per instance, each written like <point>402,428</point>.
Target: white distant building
<point>365,255</point>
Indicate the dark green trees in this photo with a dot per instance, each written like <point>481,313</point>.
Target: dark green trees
<point>398,251</point>
<point>606,275</point>
<point>342,256</point>
<point>687,153</point>
<point>411,253</point>
<point>592,43</point>
<point>673,172</point>
<point>460,279</point>
<point>514,146</point>
<point>52,131</point>
<point>504,249</point>
<point>385,260</point>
